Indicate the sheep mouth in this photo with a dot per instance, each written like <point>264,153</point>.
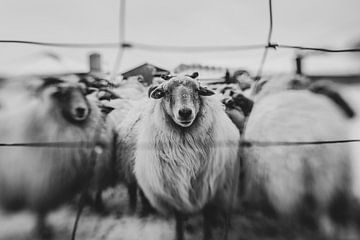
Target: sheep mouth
<point>185,123</point>
<point>80,118</point>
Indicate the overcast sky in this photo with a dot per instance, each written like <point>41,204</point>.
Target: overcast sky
<point>320,23</point>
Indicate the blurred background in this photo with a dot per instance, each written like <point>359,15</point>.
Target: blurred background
<point>323,23</point>
<point>214,38</point>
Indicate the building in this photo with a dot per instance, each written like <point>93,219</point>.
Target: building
<point>340,67</point>
<point>147,71</point>
<point>207,74</point>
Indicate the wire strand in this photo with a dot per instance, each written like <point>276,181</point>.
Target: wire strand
<point>63,45</point>
<point>318,49</point>
<point>264,56</point>
<point>244,143</point>
<point>151,47</point>
<point>121,45</point>
<point>52,144</point>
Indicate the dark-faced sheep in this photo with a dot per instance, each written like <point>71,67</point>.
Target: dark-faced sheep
<point>42,178</point>
<point>187,152</point>
<point>238,108</point>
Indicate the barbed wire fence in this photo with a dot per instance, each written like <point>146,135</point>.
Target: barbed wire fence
<point>122,45</point>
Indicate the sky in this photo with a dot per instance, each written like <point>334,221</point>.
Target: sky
<point>316,23</point>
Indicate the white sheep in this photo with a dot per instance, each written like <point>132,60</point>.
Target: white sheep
<point>127,115</point>
<point>186,157</point>
<point>131,88</point>
<point>277,83</point>
<point>42,178</point>
<point>292,178</point>
<point>105,174</point>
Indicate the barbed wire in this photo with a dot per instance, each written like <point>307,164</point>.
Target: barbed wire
<point>243,143</point>
<point>265,53</point>
<point>53,144</point>
<point>317,48</point>
<point>169,48</point>
<point>62,45</point>
<point>120,51</point>
<point>122,44</point>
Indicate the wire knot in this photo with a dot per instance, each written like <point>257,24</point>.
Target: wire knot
<point>272,45</point>
<point>126,45</point>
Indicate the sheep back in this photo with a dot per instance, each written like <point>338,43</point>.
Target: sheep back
<point>127,120</point>
<point>284,175</point>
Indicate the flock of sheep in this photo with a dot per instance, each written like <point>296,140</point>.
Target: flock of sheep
<point>179,146</point>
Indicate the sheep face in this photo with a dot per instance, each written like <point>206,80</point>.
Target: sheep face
<point>181,98</point>
<point>72,101</point>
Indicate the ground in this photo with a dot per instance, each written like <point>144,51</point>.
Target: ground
<point>120,225</point>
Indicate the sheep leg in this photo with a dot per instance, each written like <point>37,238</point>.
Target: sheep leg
<point>99,204</point>
<point>146,208</point>
<point>179,226</point>
<point>43,230</point>
<point>132,191</point>
<point>227,225</point>
<point>207,216</point>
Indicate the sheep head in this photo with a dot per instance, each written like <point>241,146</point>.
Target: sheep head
<point>181,98</point>
<point>70,99</point>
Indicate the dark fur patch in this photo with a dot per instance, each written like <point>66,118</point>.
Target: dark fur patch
<point>335,97</point>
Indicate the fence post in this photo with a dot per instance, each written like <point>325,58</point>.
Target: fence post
<point>95,63</point>
<point>298,61</point>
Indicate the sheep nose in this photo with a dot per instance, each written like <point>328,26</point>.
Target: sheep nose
<point>185,112</point>
<point>80,112</point>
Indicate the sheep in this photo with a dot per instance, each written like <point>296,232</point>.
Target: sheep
<point>131,88</point>
<point>287,179</point>
<point>186,158</point>
<point>238,108</point>
<point>41,179</point>
<point>127,115</point>
<point>275,84</point>
<point>104,171</point>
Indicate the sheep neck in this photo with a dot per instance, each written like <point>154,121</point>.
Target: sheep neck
<point>184,153</point>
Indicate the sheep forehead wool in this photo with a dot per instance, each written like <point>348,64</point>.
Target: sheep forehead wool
<point>181,80</point>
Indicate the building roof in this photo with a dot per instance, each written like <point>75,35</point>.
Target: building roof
<point>157,69</point>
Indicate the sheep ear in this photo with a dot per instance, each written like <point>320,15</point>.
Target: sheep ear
<point>59,90</point>
<point>244,103</point>
<point>203,91</point>
<point>194,75</point>
<point>156,92</point>
<point>166,76</point>
<point>151,89</point>
<point>90,90</point>
<point>259,86</point>
<point>49,81</point>
<point>106,109</point>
